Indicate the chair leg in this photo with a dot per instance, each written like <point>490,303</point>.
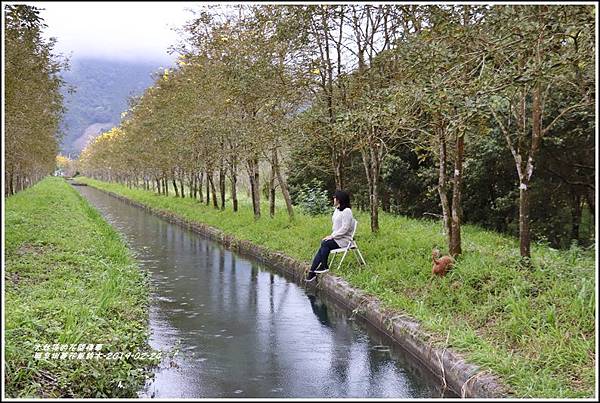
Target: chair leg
<point>361,256</point>
<point>343,256</point>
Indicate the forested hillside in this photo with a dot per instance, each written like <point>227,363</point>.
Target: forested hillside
<point>102,89</point>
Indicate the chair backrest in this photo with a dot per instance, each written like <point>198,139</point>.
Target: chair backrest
<point>355,224</point>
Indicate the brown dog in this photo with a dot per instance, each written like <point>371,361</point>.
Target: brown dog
<point>441,265</point>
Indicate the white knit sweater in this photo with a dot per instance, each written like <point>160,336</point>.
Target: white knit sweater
<point>342,226</point>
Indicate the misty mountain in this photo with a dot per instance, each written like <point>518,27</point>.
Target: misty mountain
<point>102,89</point>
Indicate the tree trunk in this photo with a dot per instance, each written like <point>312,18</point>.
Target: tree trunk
<point>192,184</point>
<point>199,181</point>
<point>455,248</point>
<point>207,188</point>
<point>336,163</point>
<point>590,197</point>
<point>284,187</point>
<point>524,204</point>
<point>254,186</point>
<point>222,186</point>
<point>214,191</point>
<point>272,187</point>
<point>272,199</point>
<point>11,186</point>
<point>251,190</point>
<point>575,215</point>
<point>256,189</point>
<point>525,177</point>
<point>524,231</point>
<point>175,186</point>
<point>442,188</point>
<point>234,199</point>
<point>327,84</point>
<point>367,167</point>
<point>375,195</point>
<point>370,158</point>
<point>181,184</point>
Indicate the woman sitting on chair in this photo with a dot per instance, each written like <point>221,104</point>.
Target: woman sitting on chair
<point>340,237</point>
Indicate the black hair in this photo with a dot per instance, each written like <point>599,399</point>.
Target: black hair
<point>343,199</point>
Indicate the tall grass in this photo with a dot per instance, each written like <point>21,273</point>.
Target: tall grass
<point>69,280</point>
<point>533,326</point>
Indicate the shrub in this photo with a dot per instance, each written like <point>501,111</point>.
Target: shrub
<point>313,199</point>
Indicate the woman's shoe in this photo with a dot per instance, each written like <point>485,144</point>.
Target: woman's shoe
<point>322,269</point>
<point>310,277</point>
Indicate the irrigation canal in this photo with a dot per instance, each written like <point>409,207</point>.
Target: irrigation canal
<point>243,330</point>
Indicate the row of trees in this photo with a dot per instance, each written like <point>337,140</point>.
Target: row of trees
<point>33,104</point>
<point>322,87</point>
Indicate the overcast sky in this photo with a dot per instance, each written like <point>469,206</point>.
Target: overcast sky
<point>115,30</point>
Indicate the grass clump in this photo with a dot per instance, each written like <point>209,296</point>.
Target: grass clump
<point>69,279</point>
<point>533,326</point>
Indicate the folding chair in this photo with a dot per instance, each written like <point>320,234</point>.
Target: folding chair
<point>352,245</point>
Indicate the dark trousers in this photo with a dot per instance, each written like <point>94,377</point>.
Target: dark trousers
<point>323,254</point>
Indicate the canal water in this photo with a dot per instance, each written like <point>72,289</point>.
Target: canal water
<point>242,330</point>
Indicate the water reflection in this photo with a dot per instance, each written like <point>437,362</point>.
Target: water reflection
<point>245,331</point>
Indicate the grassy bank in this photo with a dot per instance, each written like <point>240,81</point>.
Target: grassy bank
<point>69,280</point>
<point>533,327</point>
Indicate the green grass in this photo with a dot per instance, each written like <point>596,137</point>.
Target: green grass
<point>69,279</point>
<point>534,327</point>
